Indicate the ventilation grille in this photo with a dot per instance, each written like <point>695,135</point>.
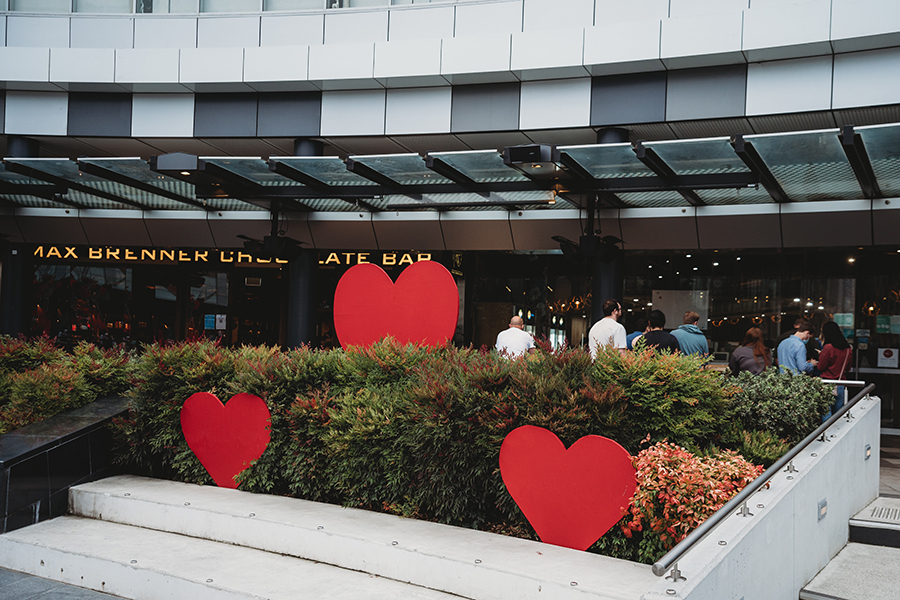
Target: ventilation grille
<point>883,513</point>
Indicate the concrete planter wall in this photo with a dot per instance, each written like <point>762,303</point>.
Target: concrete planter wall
<point>40,462</point>
<point>791,535</point>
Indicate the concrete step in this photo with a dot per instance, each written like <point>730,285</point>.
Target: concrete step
<point>858,572</point>
<point>878,524</point>
<point>138,563</point>
<point>464,562</point>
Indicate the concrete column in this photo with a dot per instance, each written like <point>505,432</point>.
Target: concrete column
<point>608,282</point>
<point>608,277</point>
<point>303,293</point>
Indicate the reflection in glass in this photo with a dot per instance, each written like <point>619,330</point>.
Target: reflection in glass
<point>74,304</point>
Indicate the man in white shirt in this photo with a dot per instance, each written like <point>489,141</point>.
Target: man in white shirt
<point>515,341</point>
<point>608,331</point>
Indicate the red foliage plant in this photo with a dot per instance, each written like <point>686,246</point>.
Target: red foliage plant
<point>677,490</point>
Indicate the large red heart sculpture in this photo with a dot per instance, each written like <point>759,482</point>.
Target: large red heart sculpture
<point>571,497</point>
<point>421,308</point>
<point>226,438</point>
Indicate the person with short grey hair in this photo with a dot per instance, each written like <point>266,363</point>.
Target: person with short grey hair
<point>515,341</point>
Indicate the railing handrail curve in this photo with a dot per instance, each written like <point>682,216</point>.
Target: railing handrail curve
<point>671,558</point>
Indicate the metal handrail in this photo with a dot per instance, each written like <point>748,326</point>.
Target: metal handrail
<point>670,560</point>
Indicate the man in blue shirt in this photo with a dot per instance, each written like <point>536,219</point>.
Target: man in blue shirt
<point>690,337</point>
<point>792,352</point>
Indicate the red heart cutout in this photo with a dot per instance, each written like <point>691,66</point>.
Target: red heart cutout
<point>226,438</point>
<point>421,308</point>
<point>571,497</point>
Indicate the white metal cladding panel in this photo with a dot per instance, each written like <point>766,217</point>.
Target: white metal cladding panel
<point>769,32</point>
<point>420,230</point>
<point>344,61</point>
<point>24,64</point>
<point>290,30</point>
<point>488,19</point>
<point>633,10</point>
<point>165,33</point>
<point>786,86</point>
<point>147,65</point>
<point>545,49</point>
<point>555,103</point>
<point>421,23</point>
<point>102,33</point>
<point>333,230</point>
<point>357,112</point>
<point>50,226</point>
<point>658,228</point>
<point>706,39</point>
<point>114,227</point>
<point>173,227</point>
<point>867,78</point>
<point>842,223</point>
<point>886,222</point>
<point>236,32</point>
<point>354,28</point>
<point>37,113</point>
<point>552,14</point>
<point>211,65</point>
<point>407,58</point>
<point>864,24</point>
<point>744,226</point>
<point>422,110</point>
<point>162,115</point>
<point>682,8</point>
<point>83,65</point>
<point>476,230</point>
<point>534,229</point>
<point>276,63</point>
<point>482,54</point>
<point>616,44</point>
<point>37,32</point>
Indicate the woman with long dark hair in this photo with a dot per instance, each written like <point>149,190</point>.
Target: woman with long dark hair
<point>752,355</point>
<point>834,359</point>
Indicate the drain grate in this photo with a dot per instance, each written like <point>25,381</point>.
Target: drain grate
<point>884,513</point>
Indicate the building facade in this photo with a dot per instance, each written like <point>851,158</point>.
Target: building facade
<point>210,167</point>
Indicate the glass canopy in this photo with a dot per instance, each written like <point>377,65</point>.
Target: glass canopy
<point>757,169</point>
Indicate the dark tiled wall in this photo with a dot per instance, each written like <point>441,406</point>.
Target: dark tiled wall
<point>711,93</point>
<point>489,107</point>
<point>37,470</point>
<point>225,115</point>
<point>99,114</point>
<point>289,114</point>
<point>627,99</point>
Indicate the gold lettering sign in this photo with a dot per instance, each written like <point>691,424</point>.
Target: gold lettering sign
<point>165,256</point>
<point>387,259</point>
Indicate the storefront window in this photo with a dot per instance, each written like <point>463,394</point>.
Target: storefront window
<point>75,303</point>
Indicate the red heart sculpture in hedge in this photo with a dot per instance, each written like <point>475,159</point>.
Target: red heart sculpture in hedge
<point>421,308</point>
<point>226,438</point>
<point>571,497</point>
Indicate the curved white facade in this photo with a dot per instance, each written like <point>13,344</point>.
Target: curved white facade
<point>701,67</point>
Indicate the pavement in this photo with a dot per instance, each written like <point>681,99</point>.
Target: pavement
<point>19,586</point>
<point>890,466</point>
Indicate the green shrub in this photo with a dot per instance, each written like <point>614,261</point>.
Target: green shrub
<point>666,396</point>
<point>60,383</point>
<point>787,406</point>
<point>149,440</point>
<point>18,355</point>
<point>677,491</point>
<point>43,392</point>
